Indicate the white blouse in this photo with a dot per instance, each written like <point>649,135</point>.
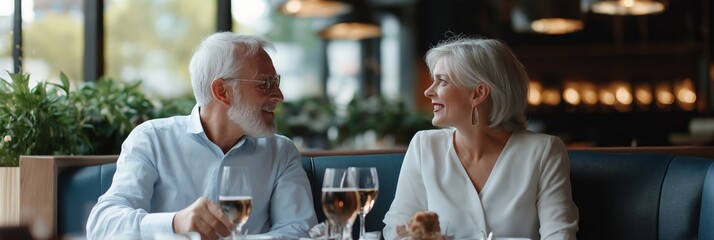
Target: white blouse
<point>528,193</point>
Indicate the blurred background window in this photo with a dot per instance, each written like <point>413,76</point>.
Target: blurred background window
<point>390,54</point>
<point>52,33</point>
<point>46,25</point>
<point>153,40</point>
<point>658,65</point>
<point>7,10</point>
<point>344,61</point>
<point>298,55</point>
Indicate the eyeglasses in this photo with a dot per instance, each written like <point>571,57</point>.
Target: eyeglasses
<point>265,85</point>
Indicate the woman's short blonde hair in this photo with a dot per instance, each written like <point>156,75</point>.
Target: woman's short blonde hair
<point>473,61</point>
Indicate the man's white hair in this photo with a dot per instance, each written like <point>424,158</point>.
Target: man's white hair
<point>221,55</point>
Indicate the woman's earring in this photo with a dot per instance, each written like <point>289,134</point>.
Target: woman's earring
<point>474,116</point>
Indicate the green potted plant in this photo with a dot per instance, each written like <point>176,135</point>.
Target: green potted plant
<point>110,110</point>
<point>389,121</point>
<point>307,119</point>
<point>37,120</point>
<point>34,120</point>
<point>53,119</point>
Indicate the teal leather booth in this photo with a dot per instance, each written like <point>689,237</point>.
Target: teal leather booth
<point>79,188</point>
<point>388,166</point>
<point>619,195</point>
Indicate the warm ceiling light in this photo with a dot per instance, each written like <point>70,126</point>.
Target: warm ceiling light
<point>589,96</point>
<point>571,96</point>
<point>643,96</point>
<point>534,97</point>
<point>686,96</point>
<point>358,24</point>
<point>628,7</point>
<point>607,98</point>
<point>685,90</point>
<point>556,25</point>
<point>313,8</point>
<point>351,31</point>
<point>623,95</point>
<point>547,16</point>
<point>551,97</point>
<point>665,97</point>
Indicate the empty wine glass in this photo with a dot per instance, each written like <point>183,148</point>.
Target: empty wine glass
<point>340,199</point>
<point>235,197</point>
<point>368,187</point>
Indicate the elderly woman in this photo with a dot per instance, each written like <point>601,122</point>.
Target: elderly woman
<point>484,172</point>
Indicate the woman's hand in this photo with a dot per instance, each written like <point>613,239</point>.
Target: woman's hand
<point>402,231</point>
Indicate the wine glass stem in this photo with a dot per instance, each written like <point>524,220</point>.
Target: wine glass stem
<point>361,225</point>
<point>236,233</point>
<point>340,231</point>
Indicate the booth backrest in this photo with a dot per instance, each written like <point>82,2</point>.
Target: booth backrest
<point>639,195</point>
<point>707,207</point>
<point>680,211</point>
<point>78,189</point>
<point>619,195</point>
<point>388,166</point>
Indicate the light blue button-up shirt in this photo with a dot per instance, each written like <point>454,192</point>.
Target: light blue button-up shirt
<point>166,164</point>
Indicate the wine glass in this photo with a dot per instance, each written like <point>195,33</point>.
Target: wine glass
<point>235,197</point>
<point>368,187</point>
<point>340,199</point>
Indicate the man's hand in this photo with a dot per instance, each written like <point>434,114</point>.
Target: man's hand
<point>204,217</point>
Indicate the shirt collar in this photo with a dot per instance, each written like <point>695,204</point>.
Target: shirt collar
<point>194,121</point>
<point>196,128</point>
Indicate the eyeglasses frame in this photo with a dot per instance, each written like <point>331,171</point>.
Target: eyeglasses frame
<point>269,83</point>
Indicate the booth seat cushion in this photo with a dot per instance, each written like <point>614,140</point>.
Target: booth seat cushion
<point>617,194</point>
<point>307,165</point>
<point>78,191</point>
<point>681,197</point>
<point>707,209</point>
<point>388,167</point>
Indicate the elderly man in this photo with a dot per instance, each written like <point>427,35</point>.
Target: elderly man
<point>167,173</point>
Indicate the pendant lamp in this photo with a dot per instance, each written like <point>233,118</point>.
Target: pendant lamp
<point>547,16</point>
<point>357,24</point>
<point>313,8</point>
<point>628,7</point>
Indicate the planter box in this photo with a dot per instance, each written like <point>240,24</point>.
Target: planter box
<point>38,191</point>
<point>10,196</point>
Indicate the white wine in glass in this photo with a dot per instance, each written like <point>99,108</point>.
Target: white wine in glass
<point>340,199</point>
<point>368,187</point>
<point>235,197</point>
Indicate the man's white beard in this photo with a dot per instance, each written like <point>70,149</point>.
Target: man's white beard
<point>249,119</point>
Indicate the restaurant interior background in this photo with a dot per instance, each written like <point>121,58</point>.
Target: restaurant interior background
<point>611,79</point>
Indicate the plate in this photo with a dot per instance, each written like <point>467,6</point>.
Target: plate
<point>498,238</point>
<point>258,237</point>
